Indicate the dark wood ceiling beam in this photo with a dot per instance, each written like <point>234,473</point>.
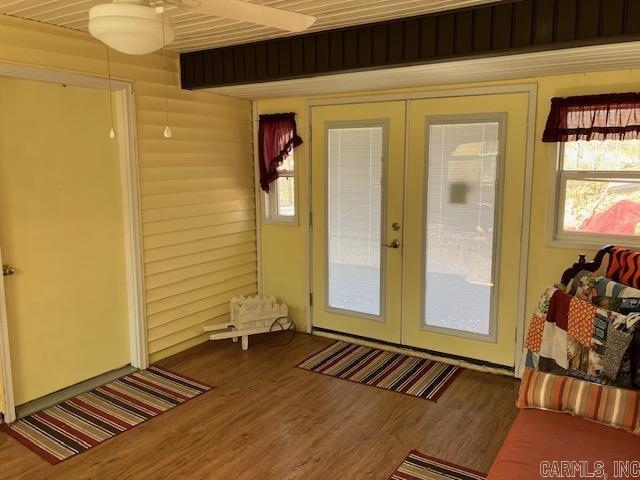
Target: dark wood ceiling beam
<point>515,26</point>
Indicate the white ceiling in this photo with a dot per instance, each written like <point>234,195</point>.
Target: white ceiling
<point>617,56</point>
<point>198,32</point>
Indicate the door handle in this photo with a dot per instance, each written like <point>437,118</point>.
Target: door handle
<point>394,244</point>
<point>7,270</point>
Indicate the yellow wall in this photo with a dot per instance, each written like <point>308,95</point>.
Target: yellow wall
<point>197,197</point>
<point>284,248</point>
<point>286,277</point>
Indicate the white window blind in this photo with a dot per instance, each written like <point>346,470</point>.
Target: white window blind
<point>355,219</point>
<point>461,208</point>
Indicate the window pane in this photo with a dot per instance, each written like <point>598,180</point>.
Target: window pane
<point>354,218</point>
<point>285,202</point>
<point>613,155</point>
<point>602,206</point>
<point>287,164</point>
<point>461,203</point>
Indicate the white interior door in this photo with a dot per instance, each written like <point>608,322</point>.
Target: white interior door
<point>62,230</point>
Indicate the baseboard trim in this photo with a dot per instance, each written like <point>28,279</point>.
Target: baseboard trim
<point>470,363</point>
<point>66,393</point>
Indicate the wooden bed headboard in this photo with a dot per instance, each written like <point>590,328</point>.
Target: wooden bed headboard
<point>582,264</point>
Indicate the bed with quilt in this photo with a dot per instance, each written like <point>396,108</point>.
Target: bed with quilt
<point>582,358</point>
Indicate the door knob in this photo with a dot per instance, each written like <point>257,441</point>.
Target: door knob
<point>8,270</point>
<point>394,244</point>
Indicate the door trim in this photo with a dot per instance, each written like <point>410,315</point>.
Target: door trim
<point>531,89</point>
<point>5,359</point>
<point>127,152</point>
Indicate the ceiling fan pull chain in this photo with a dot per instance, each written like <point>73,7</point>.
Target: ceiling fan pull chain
<point>167,130</point>
<point>112,132</point>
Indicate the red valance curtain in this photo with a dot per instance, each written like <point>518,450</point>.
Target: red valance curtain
<point>614,116</point>
<point>277,136</point>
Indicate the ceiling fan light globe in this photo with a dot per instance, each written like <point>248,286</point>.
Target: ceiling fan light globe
<point>130,28</point>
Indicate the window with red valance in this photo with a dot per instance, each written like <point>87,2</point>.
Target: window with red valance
<point>614,116</point>
<point>277,137</point>
<point>598,167</point>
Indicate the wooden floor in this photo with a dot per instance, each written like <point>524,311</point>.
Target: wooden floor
<point>270,420</point>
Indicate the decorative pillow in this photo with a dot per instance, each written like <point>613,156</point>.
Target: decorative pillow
<point>583,285</point>
<point>622,305</point>
<point>624,266</point>
<point>606,287</point>
<point>587,285</point>
<point>634,360</point>
<point>611,406</point>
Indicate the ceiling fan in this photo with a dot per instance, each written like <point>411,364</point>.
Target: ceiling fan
<point>135,27</point>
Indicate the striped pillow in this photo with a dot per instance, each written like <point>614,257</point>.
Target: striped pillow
<point>611,406</point>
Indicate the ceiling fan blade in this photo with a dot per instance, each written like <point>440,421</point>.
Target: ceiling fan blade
<point>254,13</point>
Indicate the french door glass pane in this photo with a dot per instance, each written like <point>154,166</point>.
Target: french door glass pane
<point>461,205</point>
<point>355,218</point>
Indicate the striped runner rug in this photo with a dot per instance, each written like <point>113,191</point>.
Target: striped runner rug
<point>84,421</point>
<point>418,466</point>
<point>380,368</point>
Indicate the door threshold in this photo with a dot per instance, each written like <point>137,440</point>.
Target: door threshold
<point>66,393</point>
<point>470,363</point>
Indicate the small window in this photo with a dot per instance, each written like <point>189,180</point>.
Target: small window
<point>280,202</point>
<point>599,191</point>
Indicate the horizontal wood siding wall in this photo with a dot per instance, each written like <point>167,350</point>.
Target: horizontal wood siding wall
<point>495,29</point>
<point>197,198</point>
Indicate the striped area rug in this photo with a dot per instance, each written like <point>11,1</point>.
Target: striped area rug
<point>84,421</point>
<point>418,466</point>
<point>380,368</point>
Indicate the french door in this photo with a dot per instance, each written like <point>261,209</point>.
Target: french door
<point>357,199</point>
<point>429,259</point>
<point>465,193</point>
